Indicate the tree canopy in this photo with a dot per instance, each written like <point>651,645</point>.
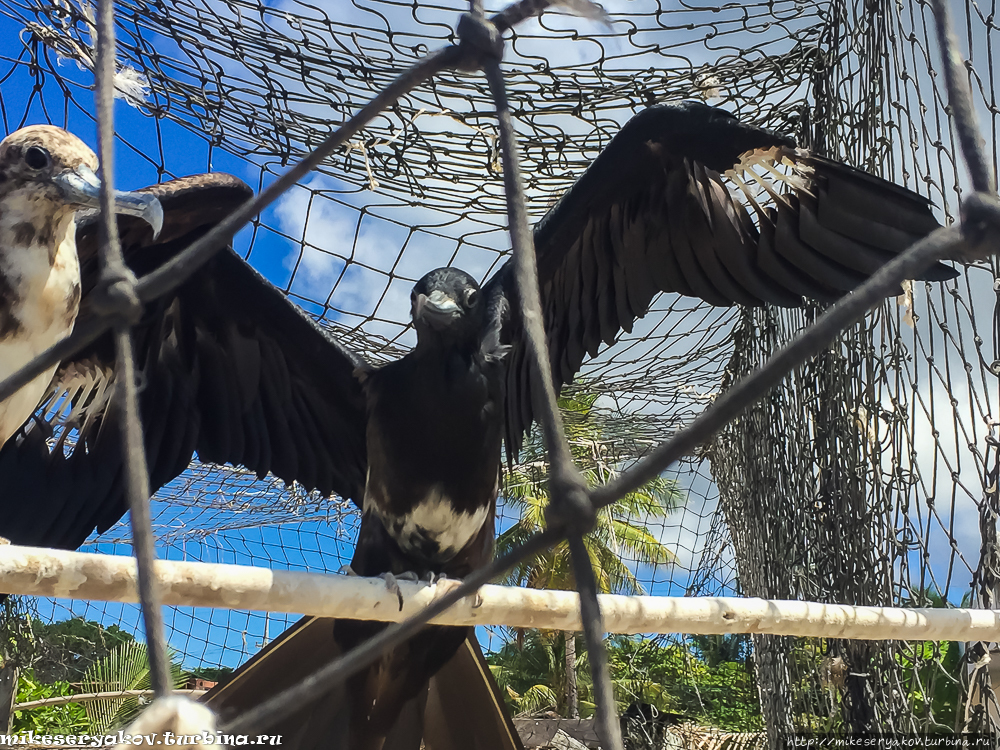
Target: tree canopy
<point>65,650</point>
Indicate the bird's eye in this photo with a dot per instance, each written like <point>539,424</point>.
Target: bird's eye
<point>37,157</point>
<point>471,298</point>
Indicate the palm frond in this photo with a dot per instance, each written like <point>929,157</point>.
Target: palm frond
<point>536,698</point>
<point>126,667</point>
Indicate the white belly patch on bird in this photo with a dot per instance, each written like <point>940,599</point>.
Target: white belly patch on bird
<point>434,529</point>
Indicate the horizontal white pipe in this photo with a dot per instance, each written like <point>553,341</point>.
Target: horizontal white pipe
<point>77,575</point>
<point>62,700</point>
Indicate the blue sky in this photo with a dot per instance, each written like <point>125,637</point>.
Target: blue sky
<point>233,636</point>
<point>228,637</point>
<point>218,636</point>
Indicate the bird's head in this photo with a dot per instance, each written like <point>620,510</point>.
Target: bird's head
<point>447,305</point>
<point>54,173</point>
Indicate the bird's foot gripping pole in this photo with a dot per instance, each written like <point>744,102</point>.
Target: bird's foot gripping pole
<point>392,583</point>
<point>443,585</point>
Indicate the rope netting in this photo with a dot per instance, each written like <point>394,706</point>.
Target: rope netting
<point>869,477</point>
<point>883,488</point>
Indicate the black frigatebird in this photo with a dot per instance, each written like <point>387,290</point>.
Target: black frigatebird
<point>684,199</point>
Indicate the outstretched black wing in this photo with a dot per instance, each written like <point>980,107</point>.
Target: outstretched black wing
<point>228,368</point>
<point>688,199</point>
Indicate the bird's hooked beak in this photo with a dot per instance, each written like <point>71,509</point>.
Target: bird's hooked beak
<point>81,187</point>
<point>437,309</point>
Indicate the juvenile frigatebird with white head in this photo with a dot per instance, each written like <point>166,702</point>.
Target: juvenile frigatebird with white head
<point>46,175</point>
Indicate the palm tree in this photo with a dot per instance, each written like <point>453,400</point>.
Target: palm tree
<point>530,671</point>
<point>124,669</point>
<point>621,533</point>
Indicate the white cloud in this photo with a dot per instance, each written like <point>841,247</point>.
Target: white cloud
<point>937,432</point>
<point>685,531</point>
<point>363,265</point>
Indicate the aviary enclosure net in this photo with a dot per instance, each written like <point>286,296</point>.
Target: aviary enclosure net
<point>869,477</point>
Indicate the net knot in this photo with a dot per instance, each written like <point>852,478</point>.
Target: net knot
<point>480,41</point>
<point>115,296</point>
<point>570,508</point>
<point>980,225</point>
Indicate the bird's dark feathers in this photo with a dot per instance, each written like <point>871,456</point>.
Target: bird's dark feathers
<point>452,281</point>
<point>684,199</point>
<point>435,421</point>
<point>659,211</point>
<point>239,375</point>
<point>435,428</point>
<point>230,368</point>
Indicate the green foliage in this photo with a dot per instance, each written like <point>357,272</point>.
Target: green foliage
<point>125,668</point>
<point>930,676</point>
<point>531,672</point>
<point>716,649</point>
<point>692,681</point>
<point>68,719</point>
<point>17,641</point>
<point>673,677</point>
<point>621,534</point>
<point>65,650</point>
<point>931,669</point>
<point>621,531</point>
<point>96,659</point>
